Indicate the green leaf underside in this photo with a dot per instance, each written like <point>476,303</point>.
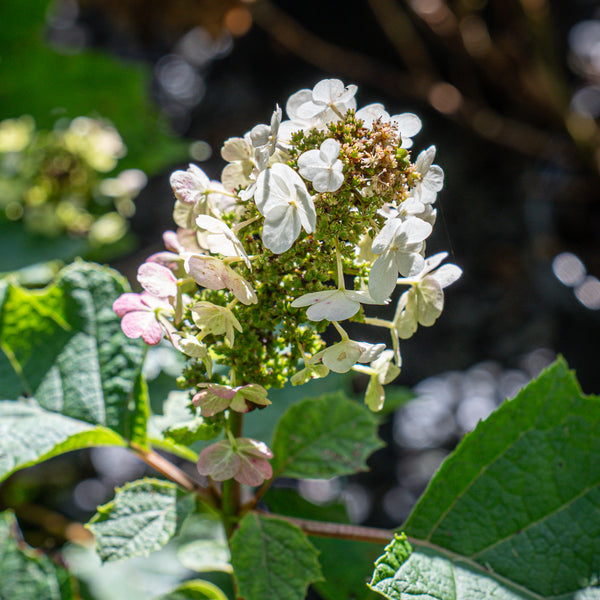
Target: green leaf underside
<point>519,497</point>
<point>26,573</point>
<point>272,559</point>
<point>195,589</point>
<point>64,345</point>
<point>143,516</point>
<point>431,575</point>
<point>29,434</point>
<point>324,437</point>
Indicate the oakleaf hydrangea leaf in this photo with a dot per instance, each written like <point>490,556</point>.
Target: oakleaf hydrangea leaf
<point>30,434</point>
<point>64,345</point>
<point>515,507</point>
<point>27,573</point>
<point>143,516</point>
<point>272,559</point>
<point>324,437</point>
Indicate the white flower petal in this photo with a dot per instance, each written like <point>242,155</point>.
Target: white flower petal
<point>447,275</point>
<point>329,151</point>
<point>416,230</point>
<point>386,236</point>
<point>328,180</point>
<point>383,276</point>
<point>409,264</point>
<point>281,228</point>
<point>336,307</point>
<point>408,124</point>
<point>430,301</point>
<point>341,357</point>
<point>327,90</point>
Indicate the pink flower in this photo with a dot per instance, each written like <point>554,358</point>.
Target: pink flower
<point>216,398</point>
<point>246,462</point>
<point>138,314</point>
<point>157,280</point>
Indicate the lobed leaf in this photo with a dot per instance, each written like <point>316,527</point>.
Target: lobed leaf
<point>514,511</point>
<point>324,437</point>
<point>30,434</point>
<point>64,346</point>
<point>272,559</point>
<point>27,573</point>
<point>143,516</point>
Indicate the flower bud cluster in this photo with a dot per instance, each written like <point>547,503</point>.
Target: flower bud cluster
<point>315,219</point>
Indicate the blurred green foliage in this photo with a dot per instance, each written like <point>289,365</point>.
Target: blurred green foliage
<point>37,80</point>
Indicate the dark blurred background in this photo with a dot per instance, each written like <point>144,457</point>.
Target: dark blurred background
<point>508,91</point>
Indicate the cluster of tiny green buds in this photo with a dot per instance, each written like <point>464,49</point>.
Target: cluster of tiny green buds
<point>260,263</point>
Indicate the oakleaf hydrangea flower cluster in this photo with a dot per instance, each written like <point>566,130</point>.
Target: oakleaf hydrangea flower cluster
<point>317,219</point>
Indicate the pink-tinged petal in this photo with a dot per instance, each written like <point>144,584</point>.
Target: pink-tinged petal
<point>206,271</point>
<point>167,259</point>
<point>142,324</point>
<point>209,404</point>
<point>311,298</point>
<point>154,302</point>
<point>253,471</point>
<point>171,242</point>
<point>157,280</point>
<point>128,302</point>
<point>241,288</point>
<point>219,461</point>
<point>254,448</point>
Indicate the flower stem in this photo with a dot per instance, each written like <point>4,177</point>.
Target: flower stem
<point>230,490</point>
<point>175,474</point>
<point>339,530</point>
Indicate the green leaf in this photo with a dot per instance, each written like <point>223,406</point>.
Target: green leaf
<point>180,425</point>
<point>30,434</point>
<point>340,582</point>
<point>143,516</point>
<point>272,559</point>
<point>516,505</point>
<point>26,573</point>
<point>64,345</point>
<point>206,555</point>
<point>324,437</point>
<point>195,589</point>
<point>203,544</point>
